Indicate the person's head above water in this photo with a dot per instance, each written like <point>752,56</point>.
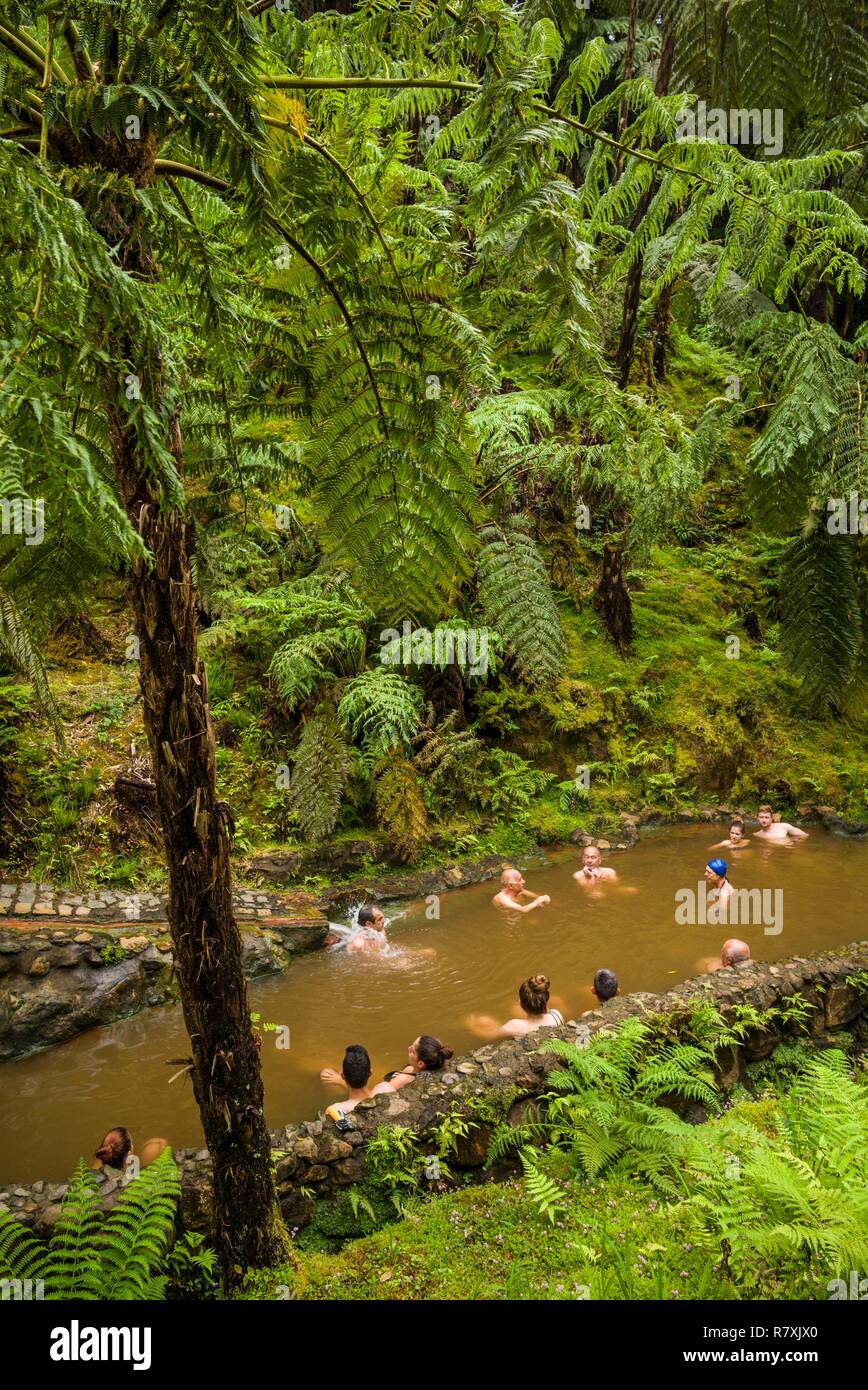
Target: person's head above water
<point>736,830</point>
<point>428,1052</point>
<point>356,1068</point>
<point>715,870</point>
<point>765,816</point>
<point>371,917</point>
<point>512,880</point>
<point>115,1147</point>
<point>605,984</point>
<point>733,952</point>
<point>533,994</point>
<point>591,857</point>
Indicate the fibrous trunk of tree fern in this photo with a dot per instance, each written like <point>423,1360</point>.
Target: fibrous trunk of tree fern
<point>226,1075</point>
<point>633,288</point>
<point>612,598</point>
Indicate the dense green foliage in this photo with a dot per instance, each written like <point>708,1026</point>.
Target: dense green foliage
<point>392,250</point>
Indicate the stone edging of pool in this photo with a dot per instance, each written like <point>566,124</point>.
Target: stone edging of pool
<point>317,1157</point>
<point>59,977</point>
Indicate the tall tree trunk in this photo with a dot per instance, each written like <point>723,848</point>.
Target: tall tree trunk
<point>629,58</point>
<point>226,1075</point>
<point>660,331</point>
<point>632,290</point>
<point>612,596</point>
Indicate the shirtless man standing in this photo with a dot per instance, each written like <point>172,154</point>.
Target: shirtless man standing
<point>777,831</point>
<point>592,872</point>
<point>512,890</point>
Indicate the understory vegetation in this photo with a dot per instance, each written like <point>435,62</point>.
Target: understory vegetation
<point>640,1179</point>
<point>623,1198</point>
<point>673,725</point>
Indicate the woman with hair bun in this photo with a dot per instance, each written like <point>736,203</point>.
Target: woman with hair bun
<point>116,1152</point>
<point>533,995</point>
<point>425,1054</point>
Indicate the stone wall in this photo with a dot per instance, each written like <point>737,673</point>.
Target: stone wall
<point>57,979</point>
<point>505,1076</point>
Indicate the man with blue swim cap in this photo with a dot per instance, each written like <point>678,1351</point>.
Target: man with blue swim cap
<point>721,890</point>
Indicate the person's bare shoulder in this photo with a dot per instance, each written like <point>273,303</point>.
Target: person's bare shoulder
<point>514,1028</point>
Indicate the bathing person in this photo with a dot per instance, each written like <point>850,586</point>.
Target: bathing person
<point>592,871</point>
<point>776,831</point>
<point>371,935</point>
<point>605,986</point>
<point>737,838</point>
<point>354,1074</point>
<point>425,1054</point>
<point>732,952</point>
<point>512,890</point>
<point>721,890</point>
<point>533,995</point>
<point>117,1147</point>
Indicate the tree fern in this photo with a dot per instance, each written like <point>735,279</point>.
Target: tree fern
<point>822,631</point>
<point>380,709</point>
<point>447,758</point>
<point>319,774</point>
<point>516,597</point>
<point>400,804</point>
<point>802,1192</point>
<point>545,1194</point>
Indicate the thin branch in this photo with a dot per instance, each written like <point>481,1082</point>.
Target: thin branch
<point>338,298</point>
<point>173,169</point>
<point>81,59</point>
<point>30,51</point>
<point>315,84</point>
<point>391,83</point>
<point>21,50</point>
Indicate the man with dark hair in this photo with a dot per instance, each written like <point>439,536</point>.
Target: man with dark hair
<point>371,934</point>
<point>354,1074</point>
<point>605,985</point>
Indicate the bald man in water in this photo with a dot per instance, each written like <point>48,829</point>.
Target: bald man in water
<point>732,952</point>
<point>512,890</point>
<point>592,872</point>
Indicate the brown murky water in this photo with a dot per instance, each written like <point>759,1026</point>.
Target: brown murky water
<point>56,1106</point>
